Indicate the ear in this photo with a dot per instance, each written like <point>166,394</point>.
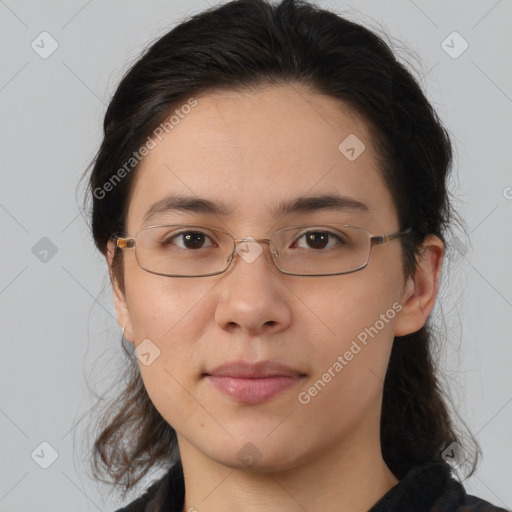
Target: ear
<point>120,304</point>
<point>420,291</point>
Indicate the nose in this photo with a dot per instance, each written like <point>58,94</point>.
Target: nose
<point>252,296</point>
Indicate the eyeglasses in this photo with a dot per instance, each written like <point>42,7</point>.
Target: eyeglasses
<point>178,250</point>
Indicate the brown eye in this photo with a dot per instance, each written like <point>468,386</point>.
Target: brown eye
<point>194,240</point>
<point>319,240</point>
<point>189,240</point>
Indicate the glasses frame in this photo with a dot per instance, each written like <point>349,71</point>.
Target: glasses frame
<point>129,243</point>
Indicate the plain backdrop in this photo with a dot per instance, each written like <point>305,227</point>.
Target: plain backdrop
<point>59,334</point>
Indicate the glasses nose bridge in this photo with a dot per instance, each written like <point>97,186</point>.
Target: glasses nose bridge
<point>238,241</point>
<point>269,241</point>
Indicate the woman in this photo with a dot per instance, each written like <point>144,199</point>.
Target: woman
<point>270,196</point>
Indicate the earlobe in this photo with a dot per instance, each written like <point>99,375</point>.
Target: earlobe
<point>420,292</point>
<point>120,304</point>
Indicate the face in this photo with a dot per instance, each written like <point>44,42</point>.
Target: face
<point>251,152</point>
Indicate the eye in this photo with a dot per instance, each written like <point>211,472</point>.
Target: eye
<point>188,240</point>
<point>319,240</point>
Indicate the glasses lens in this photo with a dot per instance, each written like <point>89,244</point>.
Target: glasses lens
<point>322,250</point>
<point>178,250</point>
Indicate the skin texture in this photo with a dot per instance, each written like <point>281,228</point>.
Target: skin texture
<point>250,151</point>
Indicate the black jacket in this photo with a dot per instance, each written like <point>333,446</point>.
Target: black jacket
<point>426,488</point>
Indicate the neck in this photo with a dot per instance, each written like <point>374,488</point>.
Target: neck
<point>351,476</point>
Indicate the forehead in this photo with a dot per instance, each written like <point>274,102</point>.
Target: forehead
<point>253,150</point>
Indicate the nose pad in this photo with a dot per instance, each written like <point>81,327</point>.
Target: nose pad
<point>273,256</point>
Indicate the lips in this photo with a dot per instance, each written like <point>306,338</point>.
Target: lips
<point>260,369</point>
<point>253,383</point>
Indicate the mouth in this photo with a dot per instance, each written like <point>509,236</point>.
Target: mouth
<point>253,390</point>
<point>253,383</point>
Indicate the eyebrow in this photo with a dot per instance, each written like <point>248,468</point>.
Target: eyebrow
<point>304,204</point>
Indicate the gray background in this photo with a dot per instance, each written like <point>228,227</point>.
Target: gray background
<point>60,340</point>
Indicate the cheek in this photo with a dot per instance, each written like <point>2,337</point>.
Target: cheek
<point>350,303</point>
<point>161,307</point>
<point>348,380</point>
<point>167,328</point>
<point>168,317</point>
<point>360,331</point>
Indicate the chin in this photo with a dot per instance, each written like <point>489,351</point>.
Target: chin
<point>258,457</point>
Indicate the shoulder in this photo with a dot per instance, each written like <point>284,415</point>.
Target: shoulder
<point>454,498</point>
<point>155,497</point>
<point>474,504</point>
<point>140,504</point>
<point>431,487</point>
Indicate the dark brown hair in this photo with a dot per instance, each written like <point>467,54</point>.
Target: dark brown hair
<point>251,43</point>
